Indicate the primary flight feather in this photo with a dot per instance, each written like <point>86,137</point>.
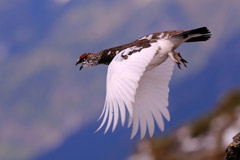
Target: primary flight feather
<point>138,77</point>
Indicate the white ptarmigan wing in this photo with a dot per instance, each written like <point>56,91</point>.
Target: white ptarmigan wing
<point>151,100</point>
<point>143,93</point>
<point>124,73</point>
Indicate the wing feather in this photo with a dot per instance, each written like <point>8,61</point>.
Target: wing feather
<point>150,120</point>
<point>130,121</point>
<point>121,103</point>
<point>135,121</point>
<point>106,110</point>
<point>158,118</point>
<point>110,116</point>
<point>115,114</point>
<point>142,120</point>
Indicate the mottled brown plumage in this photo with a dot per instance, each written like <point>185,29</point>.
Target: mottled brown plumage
<point>106,56</point>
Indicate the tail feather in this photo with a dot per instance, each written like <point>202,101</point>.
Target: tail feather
<point>202,30</point>
<point>196,35</point>
<point>200,38</point>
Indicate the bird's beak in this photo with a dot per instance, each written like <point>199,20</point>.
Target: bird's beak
<point>79,61</point>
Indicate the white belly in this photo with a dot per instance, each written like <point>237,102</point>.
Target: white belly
<point>165,46</point>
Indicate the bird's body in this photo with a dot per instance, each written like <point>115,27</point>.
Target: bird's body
<point>138,76</point>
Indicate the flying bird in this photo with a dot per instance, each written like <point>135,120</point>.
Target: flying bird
<point>138,77</point>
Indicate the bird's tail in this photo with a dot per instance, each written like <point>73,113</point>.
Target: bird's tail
<point>196,35</point>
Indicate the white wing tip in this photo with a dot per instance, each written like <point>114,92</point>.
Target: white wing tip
<point>162,128</point>
<point>167,117</point>
<point>105,131</point>
<point>151,133</point>
<point>123,121</point>
<point>114,127</point>
<point>98,129</point>
<point>142,136</point>
<point>132,136</point>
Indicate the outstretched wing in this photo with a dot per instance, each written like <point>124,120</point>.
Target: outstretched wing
<point>124,74</point>
<point>151,100</point>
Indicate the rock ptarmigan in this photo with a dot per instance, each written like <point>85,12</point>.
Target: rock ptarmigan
<point>138,77</point>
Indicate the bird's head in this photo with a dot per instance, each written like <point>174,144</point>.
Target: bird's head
<point>87,60</point>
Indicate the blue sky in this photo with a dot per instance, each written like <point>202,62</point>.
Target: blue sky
<point>46,104</point>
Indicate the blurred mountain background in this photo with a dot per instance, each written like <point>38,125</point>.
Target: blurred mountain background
<point>48,109</point>
<point>202,139</point>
